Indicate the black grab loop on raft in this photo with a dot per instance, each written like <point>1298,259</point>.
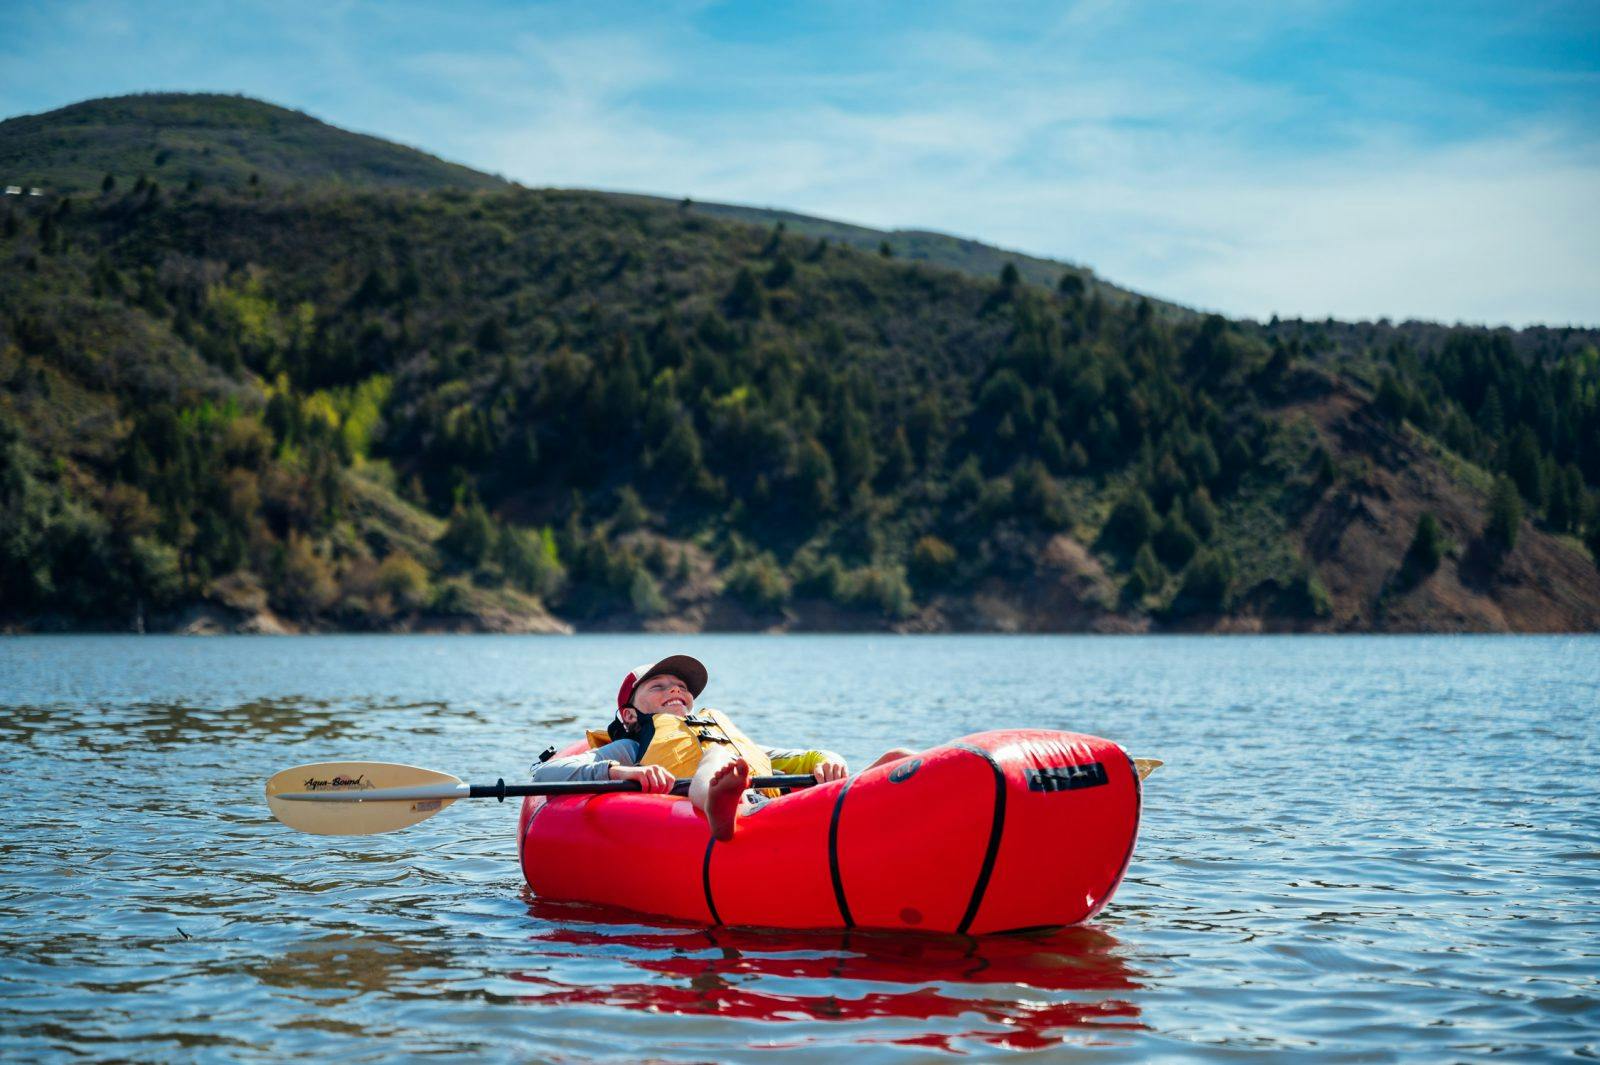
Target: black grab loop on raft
<point>1068,777</point>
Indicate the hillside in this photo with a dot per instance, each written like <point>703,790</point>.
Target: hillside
<point>175,139</point>
<point>298,403</point>
<point>922,246</point>
<point>178,139</point>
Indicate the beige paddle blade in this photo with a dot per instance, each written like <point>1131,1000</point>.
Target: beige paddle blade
<point>1146,766</point>
<point>334,803</point>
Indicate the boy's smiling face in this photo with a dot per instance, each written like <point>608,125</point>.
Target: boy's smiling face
<point>662,694</point>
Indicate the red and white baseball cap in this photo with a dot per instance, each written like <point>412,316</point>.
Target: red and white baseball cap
<point>689,670</point>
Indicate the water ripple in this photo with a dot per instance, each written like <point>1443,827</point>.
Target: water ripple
<point>1360,848</point>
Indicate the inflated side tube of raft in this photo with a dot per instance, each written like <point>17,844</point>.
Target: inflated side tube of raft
<point>1022,828</point>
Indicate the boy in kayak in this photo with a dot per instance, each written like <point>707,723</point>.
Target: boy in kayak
<point>657,736</point>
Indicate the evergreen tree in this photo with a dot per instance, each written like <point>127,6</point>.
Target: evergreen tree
<point>1132,521</point>
<point>1392,401</point>
<point>471,533</point>
<point>680,454</point>
<point>898,462</point>
<point>781,274</point>
<point>1147,576</point>
<point>1426,550</point>
<point>1175,542</point>
<point>1524,466</point>
<point>630,513</point>
<point>1201,514</point>
<point>1053,450</point>
<point>815,476</point>
<point>491,336</point>
<point>1207,585</point>
<point>1505,515</point>
<point>745,299</point>
<point>774,241</point>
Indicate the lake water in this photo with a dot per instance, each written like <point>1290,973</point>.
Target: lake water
<point>1366,848</point>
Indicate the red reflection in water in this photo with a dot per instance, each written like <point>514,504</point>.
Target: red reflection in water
<point>712,970</point>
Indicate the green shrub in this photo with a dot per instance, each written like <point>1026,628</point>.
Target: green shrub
<point>630,512</point>
<point>405,581</point>
<point>1305,593</point>
<point>155,571</point>
<point>967,483</point>
<point>882,588</point>
<point>452,597</point>
<point>305,586</point>
<point>1038,495</point>
<point>471,533</point>
<point>996,499</point>
<point>1207,585</point>
<point>759,581</point>
<point>818,574</point>
<point>933,562</point>
<point>644,594</point>
<point>529,560</point>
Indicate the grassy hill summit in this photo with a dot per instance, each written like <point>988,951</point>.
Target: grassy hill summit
<point>372,390</point>
<point>176,139</point>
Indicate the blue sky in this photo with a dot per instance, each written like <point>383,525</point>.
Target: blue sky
<point>1362,160</point>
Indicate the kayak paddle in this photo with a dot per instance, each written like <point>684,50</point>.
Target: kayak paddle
<point>365,798</point>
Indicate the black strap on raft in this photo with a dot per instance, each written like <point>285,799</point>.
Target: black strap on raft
<point>833,856</point>
<point>547,754</point>
<point>997,830</point>
<point>705,882</point>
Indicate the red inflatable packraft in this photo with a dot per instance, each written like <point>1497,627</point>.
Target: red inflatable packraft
<point>995,832</point>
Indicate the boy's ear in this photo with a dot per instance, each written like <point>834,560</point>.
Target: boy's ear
<point>628,715</point>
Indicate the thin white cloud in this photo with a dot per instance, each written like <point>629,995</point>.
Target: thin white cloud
<point>1147,177</point>
<point>1104,139</point>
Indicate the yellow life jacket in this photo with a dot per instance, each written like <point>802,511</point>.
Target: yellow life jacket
<point>678,743</point>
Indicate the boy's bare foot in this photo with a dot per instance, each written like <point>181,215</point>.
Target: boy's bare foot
<point>723,796</point>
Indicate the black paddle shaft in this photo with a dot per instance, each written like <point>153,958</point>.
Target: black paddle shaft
<point>502,791</point>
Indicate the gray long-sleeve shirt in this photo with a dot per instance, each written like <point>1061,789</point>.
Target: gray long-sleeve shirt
<point>596,764</point>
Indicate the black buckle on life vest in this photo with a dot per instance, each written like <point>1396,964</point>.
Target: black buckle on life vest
<point>1067,777</point>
